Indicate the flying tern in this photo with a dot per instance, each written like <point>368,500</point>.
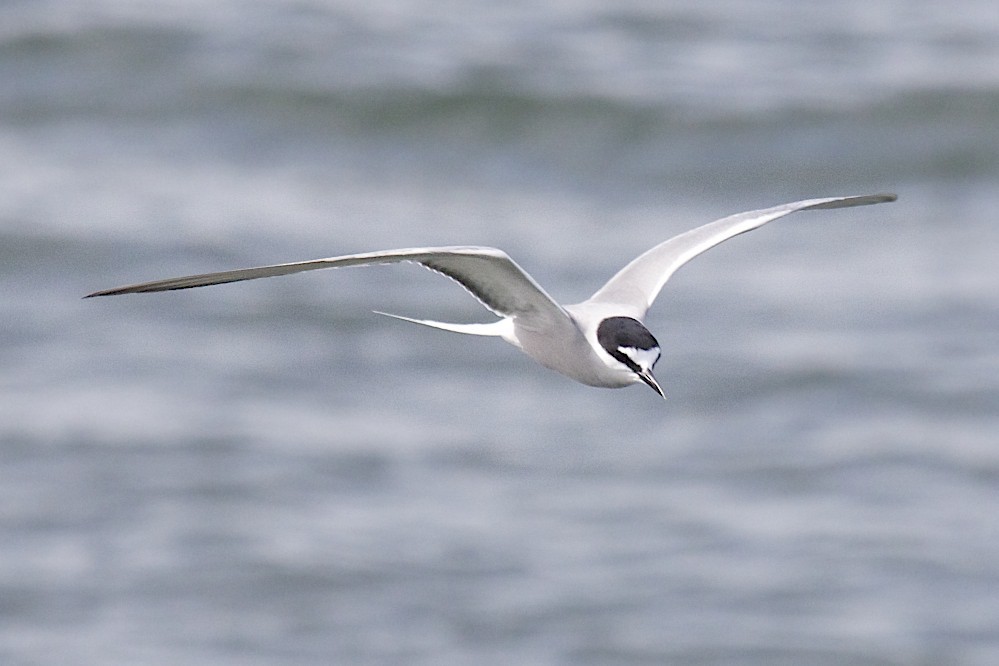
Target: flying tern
<point>600,342</point>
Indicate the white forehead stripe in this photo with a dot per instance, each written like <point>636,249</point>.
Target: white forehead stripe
<point>643,358</point>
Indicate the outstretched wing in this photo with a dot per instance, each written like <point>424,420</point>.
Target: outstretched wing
<point>638,283</point>
<point>487,273</point>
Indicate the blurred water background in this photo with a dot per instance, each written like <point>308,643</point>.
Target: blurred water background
<point>268,473</point>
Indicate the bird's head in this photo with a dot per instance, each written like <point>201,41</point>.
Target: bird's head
<point>629,343</point>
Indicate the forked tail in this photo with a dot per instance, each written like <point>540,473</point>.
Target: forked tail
<point>498,328</point>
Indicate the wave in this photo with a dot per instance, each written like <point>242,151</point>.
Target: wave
<point>173,89</point>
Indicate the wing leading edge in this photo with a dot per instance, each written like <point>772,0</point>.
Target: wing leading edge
<point>639,283</point>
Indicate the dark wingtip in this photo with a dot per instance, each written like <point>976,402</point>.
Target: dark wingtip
<point>106,292</point>
<point>884,197</point>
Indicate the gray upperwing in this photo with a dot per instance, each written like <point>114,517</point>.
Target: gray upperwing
<point>638,283</point>
<point>495,280</point>
<point>487,273</point>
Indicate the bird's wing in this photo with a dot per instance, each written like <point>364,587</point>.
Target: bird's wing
<point>487,273</point>
<point>638,283</point>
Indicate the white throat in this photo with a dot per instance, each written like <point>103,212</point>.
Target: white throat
<point>643,358</point>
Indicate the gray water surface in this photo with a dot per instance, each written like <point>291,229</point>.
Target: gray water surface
<point>268,473</point>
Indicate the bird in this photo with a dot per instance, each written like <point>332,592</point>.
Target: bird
<point>600,342</point>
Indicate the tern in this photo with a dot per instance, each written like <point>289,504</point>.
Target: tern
<point>600,342</point>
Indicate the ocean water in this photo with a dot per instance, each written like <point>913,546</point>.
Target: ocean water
<point>268,473</point>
